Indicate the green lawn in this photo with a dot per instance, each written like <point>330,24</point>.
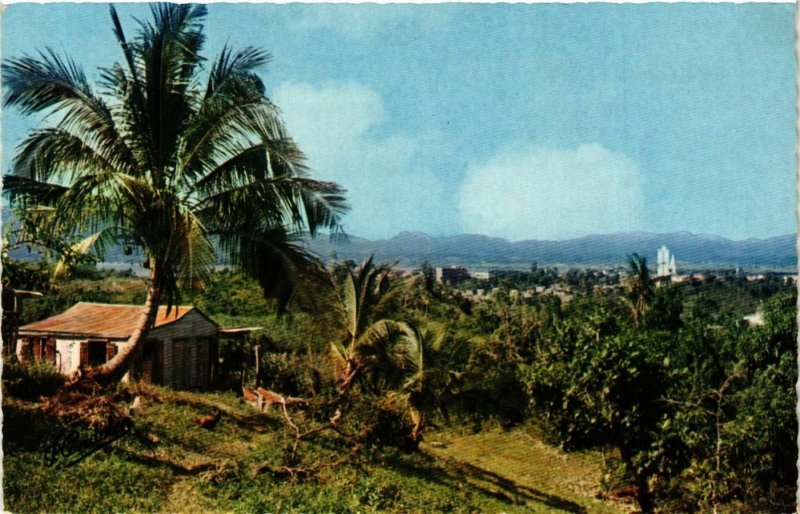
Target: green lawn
<point>194,470</point>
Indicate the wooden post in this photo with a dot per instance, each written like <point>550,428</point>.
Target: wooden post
<point>256,349</point>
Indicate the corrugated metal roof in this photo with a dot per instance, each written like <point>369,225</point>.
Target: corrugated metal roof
<point>112,321</point>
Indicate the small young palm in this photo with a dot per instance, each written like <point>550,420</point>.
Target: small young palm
<point>432,360</point>
<point>366,342</point>
<point>639,287</point>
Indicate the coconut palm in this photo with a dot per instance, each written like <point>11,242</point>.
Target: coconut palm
<point>639,286</point>
<point>367,342</point>
<point>162,161</point>
<point>432,360</point>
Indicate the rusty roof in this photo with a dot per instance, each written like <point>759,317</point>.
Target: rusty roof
<point>108,321</point>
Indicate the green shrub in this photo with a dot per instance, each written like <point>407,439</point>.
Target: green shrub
<point>379,422</point>
<point>32,380</point>
<point>290,374</point>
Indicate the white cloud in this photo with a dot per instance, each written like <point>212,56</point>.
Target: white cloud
<point>545,193</point>
<point>339,127</point>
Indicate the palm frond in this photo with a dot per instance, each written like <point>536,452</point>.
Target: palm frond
<point>55,154</point>
<point>33,85</point>
<point>324,205</point>
<point>195,254</point>
<point>223,126</point>
<point>31,191</point>
<point>166,54</point>
<point>97,243</point>
<point>351,307</point>
<point>130,92</point>
<point>274,257</point>
<point>60,86</point>
<point>339,353</point>
<point>231,67</point>
<point>379,337</point>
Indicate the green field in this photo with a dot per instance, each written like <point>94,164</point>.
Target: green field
<point>194,470</point>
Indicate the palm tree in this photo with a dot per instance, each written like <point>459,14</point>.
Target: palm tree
<point>366,342</point>
<point>639,287</point>
<point>432,357</point>
<point>160,161</point>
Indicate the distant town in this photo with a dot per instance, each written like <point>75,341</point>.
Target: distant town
<point>480,285</point>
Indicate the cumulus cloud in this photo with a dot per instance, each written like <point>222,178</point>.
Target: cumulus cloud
<point>340,128</point>
<point>545,193</point>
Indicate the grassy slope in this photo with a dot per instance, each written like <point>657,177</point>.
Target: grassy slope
<point>538,475</point>
<point>194,470</point>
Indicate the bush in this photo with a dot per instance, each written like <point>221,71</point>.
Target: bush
<point>290,374</point>
<point>380,422</point>
<point>32,380</point>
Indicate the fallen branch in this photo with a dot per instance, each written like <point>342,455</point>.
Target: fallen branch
<point>303,473</point>
<point>273,398</point>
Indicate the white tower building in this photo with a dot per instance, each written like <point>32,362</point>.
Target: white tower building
<point>662,268</point>
<point>666,263</point>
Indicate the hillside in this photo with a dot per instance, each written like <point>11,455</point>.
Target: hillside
<point>412,248</point>
<point>195,470</point>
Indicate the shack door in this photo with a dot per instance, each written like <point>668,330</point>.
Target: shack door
<point>152,365</point>
<point>180,373</point>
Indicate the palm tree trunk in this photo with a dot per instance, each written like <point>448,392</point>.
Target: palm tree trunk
<point>418,418</point>
<point>350,373</point>
<point>115,369</point>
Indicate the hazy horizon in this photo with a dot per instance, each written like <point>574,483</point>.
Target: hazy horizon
<point>597,234</point>
<point>538,121</point>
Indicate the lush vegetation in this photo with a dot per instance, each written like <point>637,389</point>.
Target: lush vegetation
<point>661,392</point>
<point>692,408</point>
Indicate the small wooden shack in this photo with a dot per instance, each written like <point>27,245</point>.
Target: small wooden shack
<point>179,351</point>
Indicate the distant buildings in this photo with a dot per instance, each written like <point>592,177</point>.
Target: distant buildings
<point>452,275</point>
<point>480,275</point>
<point>456,274</point>
<point>666,263</point>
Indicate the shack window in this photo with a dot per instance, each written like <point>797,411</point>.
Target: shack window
<point>95,353</point>
<point>43,349</point>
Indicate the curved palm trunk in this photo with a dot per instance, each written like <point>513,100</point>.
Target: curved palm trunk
<point>351,372</point>
<point>115,369</point>
<point>418,418</point>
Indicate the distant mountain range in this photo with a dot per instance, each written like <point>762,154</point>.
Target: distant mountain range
<point>410,249</point>
<point>413,248</point>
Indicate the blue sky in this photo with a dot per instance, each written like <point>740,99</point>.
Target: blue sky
<point>519,121</point>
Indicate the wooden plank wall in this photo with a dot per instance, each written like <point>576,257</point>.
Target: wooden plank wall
<point>185,350</point>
